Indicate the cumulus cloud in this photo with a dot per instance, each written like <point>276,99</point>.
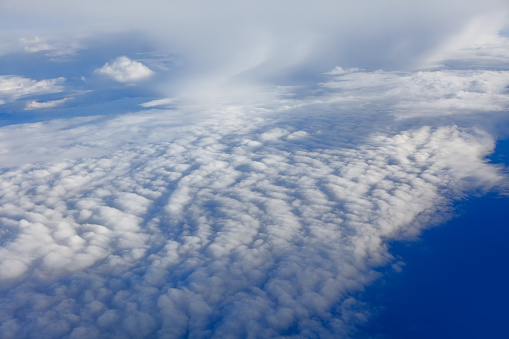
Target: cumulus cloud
<point>126,70</point>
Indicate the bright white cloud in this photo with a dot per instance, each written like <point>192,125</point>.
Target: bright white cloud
<point>124,69</point>
<point>13,87</point>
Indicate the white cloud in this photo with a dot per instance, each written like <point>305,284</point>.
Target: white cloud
<point>230,220</point>
<point>475,42</point>
<point>13,87</point>
<point>257,42</point>
<point>47,104</point>
<point>426,93</point>
<point>158,102</point>
<point>256,250</point>
<point>56,49</point>
<point>124,69</point>
<point>35,45</point>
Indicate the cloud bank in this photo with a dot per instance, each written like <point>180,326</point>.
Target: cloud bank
<point>231,221</point>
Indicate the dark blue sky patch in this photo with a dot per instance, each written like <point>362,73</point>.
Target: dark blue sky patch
<point>454,283</point>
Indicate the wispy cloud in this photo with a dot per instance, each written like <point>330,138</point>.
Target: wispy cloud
<point>158,102</point>
<point>56,49</point>
<point>47,104</point>
<point>13,87</point>
<point>35,45</point>
<point>425,93</point>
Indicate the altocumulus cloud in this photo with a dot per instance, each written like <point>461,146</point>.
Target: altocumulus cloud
<point>238,221</point>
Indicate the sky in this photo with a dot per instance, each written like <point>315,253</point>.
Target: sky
<point>234,169</point>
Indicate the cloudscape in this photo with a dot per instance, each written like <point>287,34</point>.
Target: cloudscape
<point>233,169</point>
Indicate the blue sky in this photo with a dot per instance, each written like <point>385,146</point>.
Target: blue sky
<point>236,169</point>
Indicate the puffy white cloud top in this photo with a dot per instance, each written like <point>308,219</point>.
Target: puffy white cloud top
<point>124,69</point>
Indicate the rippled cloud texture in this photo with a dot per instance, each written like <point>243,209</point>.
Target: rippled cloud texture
<point>259,214</point>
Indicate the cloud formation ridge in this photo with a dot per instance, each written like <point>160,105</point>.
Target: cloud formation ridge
<point>222,231</point>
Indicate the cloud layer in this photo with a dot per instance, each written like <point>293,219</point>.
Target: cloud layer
<point>231,220</point>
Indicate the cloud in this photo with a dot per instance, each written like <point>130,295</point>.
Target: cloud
<point>426,93</point>
<point>253,251</point>
<point>35,45</point>
<point>48,104</point>
<point>126,70</point>
<point>474,42</point>
<point>57,49</point>
<point>235,45</point>
<point>158,102</point>
<point>13,87</point>
<point>231,220</point>
<point>259,217</point>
